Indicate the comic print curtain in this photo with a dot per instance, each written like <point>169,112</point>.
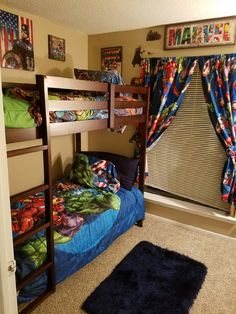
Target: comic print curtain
<point>169,81</point>
<point>219,85</point>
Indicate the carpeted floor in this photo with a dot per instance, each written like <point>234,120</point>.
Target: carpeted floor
<point>218,253</point>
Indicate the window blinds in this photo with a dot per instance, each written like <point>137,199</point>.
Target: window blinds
<point>188,159</point>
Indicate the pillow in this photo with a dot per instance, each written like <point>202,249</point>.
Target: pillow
<point>126,167</point>
<point>99,76</point>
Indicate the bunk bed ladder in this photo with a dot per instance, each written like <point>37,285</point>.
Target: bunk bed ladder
<point>48,266</point>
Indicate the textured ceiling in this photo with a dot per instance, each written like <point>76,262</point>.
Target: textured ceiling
<point>103,16</point>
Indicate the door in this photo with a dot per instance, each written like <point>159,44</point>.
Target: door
<point>8,304</point>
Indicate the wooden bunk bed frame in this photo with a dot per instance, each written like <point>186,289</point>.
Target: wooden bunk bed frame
<point>47,129</point>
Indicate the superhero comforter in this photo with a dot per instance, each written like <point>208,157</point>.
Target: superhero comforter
<point>75,203</point>
<point>71,253</point>
<point>91,191</point>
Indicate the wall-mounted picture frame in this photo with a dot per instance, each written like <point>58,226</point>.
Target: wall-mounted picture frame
<point>203,33</point>
<point>16,42</point>
<point>56,48</point>
<point>111,59</point>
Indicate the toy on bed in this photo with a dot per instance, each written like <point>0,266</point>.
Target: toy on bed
<point>90,209</point>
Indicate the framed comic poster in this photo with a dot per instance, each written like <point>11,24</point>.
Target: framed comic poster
<point>111,59</point>
<point>214,32</point>
<point>56,48</point>
<point>16,42</point>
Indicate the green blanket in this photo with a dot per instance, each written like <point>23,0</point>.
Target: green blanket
<point>90,201</point>
<point>16,113</point>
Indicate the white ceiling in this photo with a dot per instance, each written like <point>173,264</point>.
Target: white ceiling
<point>103,16</point>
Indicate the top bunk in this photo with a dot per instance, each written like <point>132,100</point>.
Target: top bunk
<point>63,106</point>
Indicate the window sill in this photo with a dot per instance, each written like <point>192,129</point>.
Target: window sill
<point>188,207</point>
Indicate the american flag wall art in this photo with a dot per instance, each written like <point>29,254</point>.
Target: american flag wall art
<point>16,42</point>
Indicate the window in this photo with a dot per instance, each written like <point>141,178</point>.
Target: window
<point>188,159</point>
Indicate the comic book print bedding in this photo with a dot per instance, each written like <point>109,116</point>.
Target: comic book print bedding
<point>78,201</point>
<point>71,254</point>
<point>90,191</point>
<point>91,114</point>
<point>21,108</point>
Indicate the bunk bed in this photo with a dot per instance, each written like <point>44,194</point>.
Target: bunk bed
<point>45,257</point>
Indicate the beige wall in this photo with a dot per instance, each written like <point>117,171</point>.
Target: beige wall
<point>26,171</point>
<point>130,40</point>
<point>76,50</point>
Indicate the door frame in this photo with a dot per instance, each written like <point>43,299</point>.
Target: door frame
<point>8,297</point>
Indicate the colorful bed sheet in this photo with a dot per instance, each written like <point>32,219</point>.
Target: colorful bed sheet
<point>91,114</point>
<point>72,204</point>
<point>21,109</point>
<point>95,235</point>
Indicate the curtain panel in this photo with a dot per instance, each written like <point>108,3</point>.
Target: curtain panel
<point>219,85</point>
<point>169,81</point>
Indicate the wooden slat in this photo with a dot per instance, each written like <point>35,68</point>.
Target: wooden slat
<point>20,85</point>
<point>111,120</point>
<point>120,104</point>
<point>130,89</point>
<point>21,135</point>
<point>66,128</point>
<point>120,121</point>
<point>32,191</point>
<point>32,275</point>
<point>57,105</point>
<point>72,84</point>
<point>27,150</point>
<point>21,238</point>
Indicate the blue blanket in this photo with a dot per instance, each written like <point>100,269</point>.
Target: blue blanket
<point>95,235</point>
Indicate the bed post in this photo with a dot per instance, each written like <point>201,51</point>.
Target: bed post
<point>77,142</point>
<point>111,106</point>
<point>143,137</point>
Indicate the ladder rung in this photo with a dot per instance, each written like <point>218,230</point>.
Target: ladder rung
<point>37,189</point>
<point>21,238</point>
<point>29,308</point>
<point>32,275</point>
<point>27,150</point>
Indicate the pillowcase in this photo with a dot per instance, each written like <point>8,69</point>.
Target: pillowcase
<point>99,76</point>
<point>126,167</point>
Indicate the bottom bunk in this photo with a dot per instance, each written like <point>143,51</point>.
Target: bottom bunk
<point>83,228</point>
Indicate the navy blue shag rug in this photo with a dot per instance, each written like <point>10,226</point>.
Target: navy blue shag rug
<point>149,280</point>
